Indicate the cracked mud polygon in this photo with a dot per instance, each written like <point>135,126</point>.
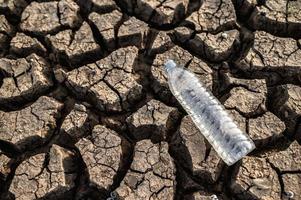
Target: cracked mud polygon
<point>86,112</point>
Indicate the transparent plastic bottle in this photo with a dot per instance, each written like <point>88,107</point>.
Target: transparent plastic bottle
<point>208,114</point>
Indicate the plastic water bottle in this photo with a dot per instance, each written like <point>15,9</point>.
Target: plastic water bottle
<point>208,114</point>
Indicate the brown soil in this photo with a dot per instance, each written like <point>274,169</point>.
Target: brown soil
<point>86,112</point>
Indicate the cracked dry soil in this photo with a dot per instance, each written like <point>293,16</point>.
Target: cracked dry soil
<point>85,109</point>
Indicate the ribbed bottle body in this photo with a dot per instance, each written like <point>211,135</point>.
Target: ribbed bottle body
<point>209,115</point>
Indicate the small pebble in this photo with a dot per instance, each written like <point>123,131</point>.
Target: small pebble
<point>224,35</point>
<point>113,194</point>
<point>289,194</point>
<point>213,197</point>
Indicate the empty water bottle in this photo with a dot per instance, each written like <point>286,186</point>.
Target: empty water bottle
<point>208,114</point>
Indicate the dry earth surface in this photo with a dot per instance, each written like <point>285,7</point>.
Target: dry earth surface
<point>86,112</point>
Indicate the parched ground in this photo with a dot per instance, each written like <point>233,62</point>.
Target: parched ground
<point>86,112</point>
